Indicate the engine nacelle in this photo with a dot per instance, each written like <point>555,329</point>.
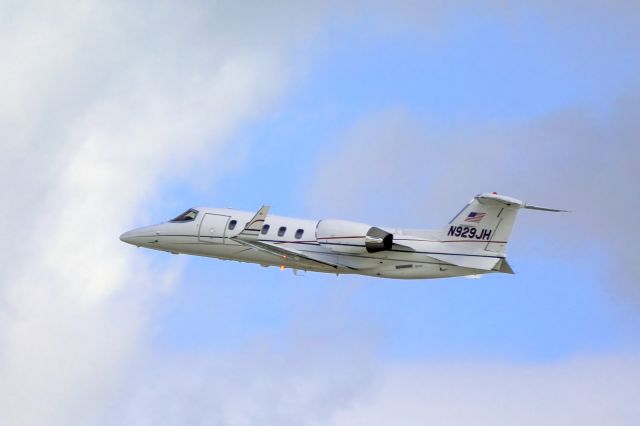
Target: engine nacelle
<point>342,236</point>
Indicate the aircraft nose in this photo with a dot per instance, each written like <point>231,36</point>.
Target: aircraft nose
<point>127,237</point>
<point>141,237</point>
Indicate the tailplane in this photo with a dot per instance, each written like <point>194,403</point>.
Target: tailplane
<point>482,229</point>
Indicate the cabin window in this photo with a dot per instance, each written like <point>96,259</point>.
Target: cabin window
<point>282,231</point>
<point>187,216</point>
<point>299,233</point>
<point>265,229</point>
<point>232,225</point>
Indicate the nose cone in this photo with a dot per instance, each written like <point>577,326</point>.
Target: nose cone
<point>141,236</point>
<point>127,237</point>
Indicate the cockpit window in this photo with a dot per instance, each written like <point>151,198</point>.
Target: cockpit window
<point>187,216</point>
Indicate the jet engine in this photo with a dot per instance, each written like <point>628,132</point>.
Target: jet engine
<point>342,236</point>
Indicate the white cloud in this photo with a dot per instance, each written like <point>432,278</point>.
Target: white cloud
<point>312,387</point>
<point>256,386</point>
<point>403,171</point>
<point>591,391</point>
<point>98,101</point>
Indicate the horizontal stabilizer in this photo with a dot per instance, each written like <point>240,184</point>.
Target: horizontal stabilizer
<point>544,209</point>
<point>495,199</point>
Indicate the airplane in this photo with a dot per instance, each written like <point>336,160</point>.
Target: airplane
<point>473,243</point>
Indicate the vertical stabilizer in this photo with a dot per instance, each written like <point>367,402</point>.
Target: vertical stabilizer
<point>484,224</point>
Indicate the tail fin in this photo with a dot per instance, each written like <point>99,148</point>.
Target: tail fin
<point>485,224</point>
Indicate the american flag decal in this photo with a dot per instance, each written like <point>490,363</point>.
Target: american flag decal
<point>475,217</point>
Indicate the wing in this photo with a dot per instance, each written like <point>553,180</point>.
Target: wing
<point>288,252</point>
<point>250,238</point>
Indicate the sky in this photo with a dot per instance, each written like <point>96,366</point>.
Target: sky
<point>118,115</point>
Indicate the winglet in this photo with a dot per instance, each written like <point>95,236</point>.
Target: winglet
<point>253,228</point>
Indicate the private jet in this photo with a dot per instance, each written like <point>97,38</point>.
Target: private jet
<point>473,243</point>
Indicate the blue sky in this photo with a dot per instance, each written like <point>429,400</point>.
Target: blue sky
<point>390,113</point>
<point>479,69</point>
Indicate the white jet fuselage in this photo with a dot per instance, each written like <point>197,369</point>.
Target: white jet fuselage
<point>209,235</point>
<point>473,243</point>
